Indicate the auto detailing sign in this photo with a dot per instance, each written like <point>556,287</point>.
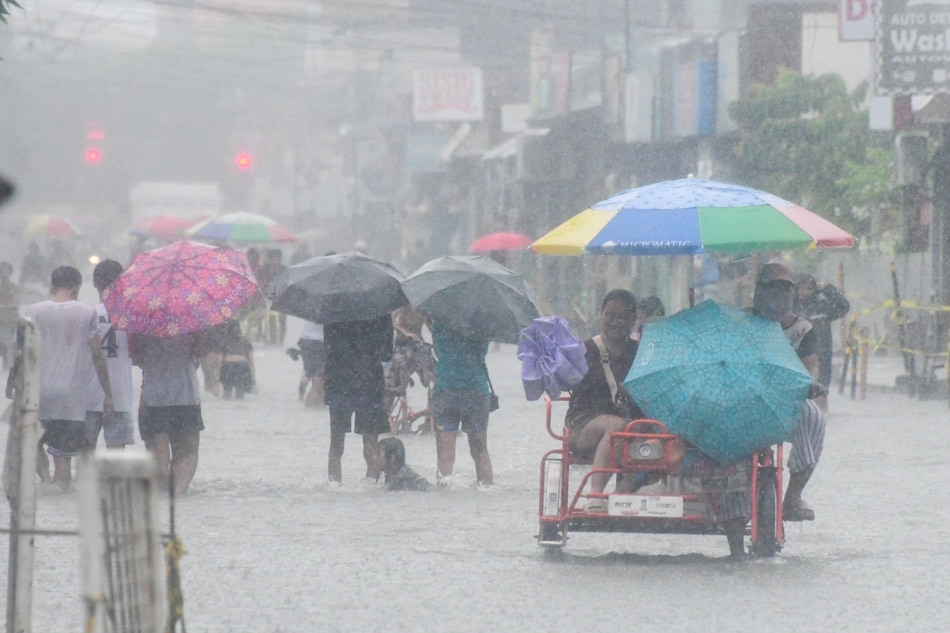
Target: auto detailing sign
<point>913,47</point>
<point>447,94</point>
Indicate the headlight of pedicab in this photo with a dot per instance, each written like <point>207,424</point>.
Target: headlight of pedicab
<point>650,449</point>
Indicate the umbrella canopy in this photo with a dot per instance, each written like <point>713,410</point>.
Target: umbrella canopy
<point>337,288</point>
<point>241,227</point>
<point>473,295</point>
<point>164,227</point>
<point>500,242</point>
<point>689,216</point>
<point>182,288</point>
<point>51,226</point>
<point>553,358</point>
<point>727,381</point>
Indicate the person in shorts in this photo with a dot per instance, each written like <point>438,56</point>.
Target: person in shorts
<point>170,420</point>
<point>71,354</point>
<point>117,426</point>
<point>355,388</point>
<point>461,399</point>
<point>237,375</point>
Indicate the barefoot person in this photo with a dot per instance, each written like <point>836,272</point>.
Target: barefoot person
<point>170,416</point>
<point>117,427</point>
<point>461,399</point>
<point>71,353</point>
<point>599,404</point>
<point>355,387</point>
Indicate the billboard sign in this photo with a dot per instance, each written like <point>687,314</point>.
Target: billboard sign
<point>913,47</point>
<point>856,20</point>
<point>447,94</point>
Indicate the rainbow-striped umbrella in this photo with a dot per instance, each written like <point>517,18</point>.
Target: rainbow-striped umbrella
<point>51,226</point>
<point>240,227</point>
<point>689,216</point>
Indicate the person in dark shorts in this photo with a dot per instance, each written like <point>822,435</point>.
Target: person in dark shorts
<point>70,356</point>
<point>392,463</point>
<point>212,356</point>
<point>170,419</point>
<point>600,406</point>
<point>461,399</point>
<point>355,387</point>
<point>237,364</point>
<point>314,354</point>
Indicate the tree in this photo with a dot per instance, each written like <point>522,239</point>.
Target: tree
<point>5,8</point>
<point>806,139</point>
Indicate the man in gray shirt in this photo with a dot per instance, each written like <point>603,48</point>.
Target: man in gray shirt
<point>71,352</point>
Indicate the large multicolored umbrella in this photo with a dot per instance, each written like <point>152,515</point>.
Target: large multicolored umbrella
<point>164,227</point>
<point>500,242</point>
<point>182,288</point>
<point>689,216</point>
<point>474,295</point>
<point>51,226</point>
<point>241,227</point>
<point>727,381</point>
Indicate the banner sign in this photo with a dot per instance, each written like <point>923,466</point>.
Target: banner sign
<point>856,20</point>
<point>447,94</point>
<point>913,47</point>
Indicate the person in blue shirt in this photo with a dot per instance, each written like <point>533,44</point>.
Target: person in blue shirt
<point>461,400</point>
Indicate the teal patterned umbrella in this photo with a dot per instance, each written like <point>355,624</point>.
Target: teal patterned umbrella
<point>727,381</point>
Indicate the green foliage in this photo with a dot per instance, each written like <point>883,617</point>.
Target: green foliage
<point>806,139</point>
<point>5,8</point>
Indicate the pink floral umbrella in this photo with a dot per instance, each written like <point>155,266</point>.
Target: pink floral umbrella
<point>182,288</point>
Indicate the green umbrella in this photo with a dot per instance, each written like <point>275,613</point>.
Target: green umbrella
<point>727,381</point>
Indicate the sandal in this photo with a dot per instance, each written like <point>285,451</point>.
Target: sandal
<point>799,511</point>
<point>596,506</point>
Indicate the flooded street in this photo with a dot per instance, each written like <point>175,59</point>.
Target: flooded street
<point>271,547</point>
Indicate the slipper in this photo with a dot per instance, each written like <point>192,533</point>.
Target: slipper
<point>596,506</point>
<point>798,512</point>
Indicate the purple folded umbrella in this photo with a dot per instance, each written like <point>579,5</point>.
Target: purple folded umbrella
<point>552,357</point>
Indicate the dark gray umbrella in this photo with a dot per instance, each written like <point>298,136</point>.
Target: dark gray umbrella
<point>473,295</point>
<point>337,288</point>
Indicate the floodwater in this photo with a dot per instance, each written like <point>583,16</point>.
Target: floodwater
<point>272,548</point>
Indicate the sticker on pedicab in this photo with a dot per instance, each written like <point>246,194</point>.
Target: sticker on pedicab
<point>645,506</point>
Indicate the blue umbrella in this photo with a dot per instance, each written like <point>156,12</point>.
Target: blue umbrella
<point>727,381</point>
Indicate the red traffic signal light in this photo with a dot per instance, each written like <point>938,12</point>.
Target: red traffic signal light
<point>243,160</point>
<point>93,155</point>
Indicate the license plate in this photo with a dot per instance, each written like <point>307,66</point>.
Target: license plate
<point>645,506</point>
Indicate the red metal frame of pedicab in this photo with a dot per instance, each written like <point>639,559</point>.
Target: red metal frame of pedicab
<point>569,518</point>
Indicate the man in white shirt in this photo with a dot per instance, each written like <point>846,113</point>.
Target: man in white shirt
<point>71,352</point>
<point>117,427</point>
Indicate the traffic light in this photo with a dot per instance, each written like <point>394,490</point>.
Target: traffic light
<point>243,161</point>
<point>93,155</point>
<point>94,136</point>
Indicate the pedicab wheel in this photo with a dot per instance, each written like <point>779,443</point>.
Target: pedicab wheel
<point>766,542</point>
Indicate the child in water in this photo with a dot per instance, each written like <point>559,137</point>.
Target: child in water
<point>237,365</point>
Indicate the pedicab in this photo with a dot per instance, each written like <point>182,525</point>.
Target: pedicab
<point>725,390</point>
<point>681,217</point>
<point>687,497</point>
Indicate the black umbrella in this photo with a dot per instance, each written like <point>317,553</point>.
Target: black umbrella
<point>473,295</point>
<point>336,288</point>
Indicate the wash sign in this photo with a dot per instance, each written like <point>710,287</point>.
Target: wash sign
<point>913,47</point>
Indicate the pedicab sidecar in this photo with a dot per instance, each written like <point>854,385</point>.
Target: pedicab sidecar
<point>692,494</point>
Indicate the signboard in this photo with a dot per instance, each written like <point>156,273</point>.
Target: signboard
<point>856,20</point>
<point>447,94</point>
<point>913,47</point>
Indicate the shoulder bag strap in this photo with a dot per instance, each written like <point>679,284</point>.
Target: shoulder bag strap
<point>605,362</point>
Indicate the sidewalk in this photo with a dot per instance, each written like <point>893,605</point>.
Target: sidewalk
<point>885,374</point>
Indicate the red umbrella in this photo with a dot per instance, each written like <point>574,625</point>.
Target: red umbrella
<point>500,242</point>
<point>182,288</point>
<point>164,227</point>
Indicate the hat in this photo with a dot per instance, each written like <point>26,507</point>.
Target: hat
<point>774,272</point>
